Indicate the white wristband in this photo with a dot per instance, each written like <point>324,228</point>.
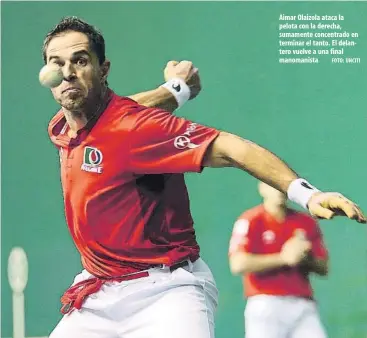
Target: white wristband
<point>179,89</point>
<point>300,191</point>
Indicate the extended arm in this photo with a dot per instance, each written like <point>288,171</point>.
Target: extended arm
<point>229,150</point>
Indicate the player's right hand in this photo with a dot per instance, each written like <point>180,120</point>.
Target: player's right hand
<point>294,250</point>
<point>186,71</point>
<point>326,205</point>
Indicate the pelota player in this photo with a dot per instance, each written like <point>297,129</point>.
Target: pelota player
<point>276,248</point>
<point>126,202</point>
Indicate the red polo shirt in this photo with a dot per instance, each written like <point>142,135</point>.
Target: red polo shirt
<point>126,202</point>
<point>257,232</point>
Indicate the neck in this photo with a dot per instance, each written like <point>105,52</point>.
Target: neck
<point>77,119</point>
<point>279,212</point>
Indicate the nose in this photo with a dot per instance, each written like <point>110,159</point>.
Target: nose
<point>69,72</point>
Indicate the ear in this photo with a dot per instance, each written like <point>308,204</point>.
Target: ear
<point>105,70</point>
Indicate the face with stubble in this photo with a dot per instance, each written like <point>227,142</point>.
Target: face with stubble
<point>84,77</point>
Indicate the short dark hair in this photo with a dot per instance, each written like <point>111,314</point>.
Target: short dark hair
<point>73,23</point>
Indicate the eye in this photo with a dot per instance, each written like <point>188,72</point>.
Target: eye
<point>82,62</point>
<point>57,62</point>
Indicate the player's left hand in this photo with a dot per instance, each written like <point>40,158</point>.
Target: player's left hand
<point>326,205</point>
<point>186,71</point>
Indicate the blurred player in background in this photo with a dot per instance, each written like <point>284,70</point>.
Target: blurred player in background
<point>126,202</point>
<point>275,248</point>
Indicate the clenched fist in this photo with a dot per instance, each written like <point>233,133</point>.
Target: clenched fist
<point>186,71</point>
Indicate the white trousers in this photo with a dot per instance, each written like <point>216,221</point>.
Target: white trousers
<point>282,317</point>
<point>178,304</point>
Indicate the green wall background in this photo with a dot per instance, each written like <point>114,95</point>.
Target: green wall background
<point>314,116</point>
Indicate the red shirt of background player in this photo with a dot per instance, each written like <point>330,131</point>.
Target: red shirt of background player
<point>126,202</point>
<point>257,232</point>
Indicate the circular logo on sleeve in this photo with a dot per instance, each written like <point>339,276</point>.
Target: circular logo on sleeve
<point>182,142</point>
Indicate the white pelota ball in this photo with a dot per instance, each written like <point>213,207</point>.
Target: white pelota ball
<point>50,76</point>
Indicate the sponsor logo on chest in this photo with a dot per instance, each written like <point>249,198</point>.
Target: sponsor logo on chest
<point>92,160</point>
